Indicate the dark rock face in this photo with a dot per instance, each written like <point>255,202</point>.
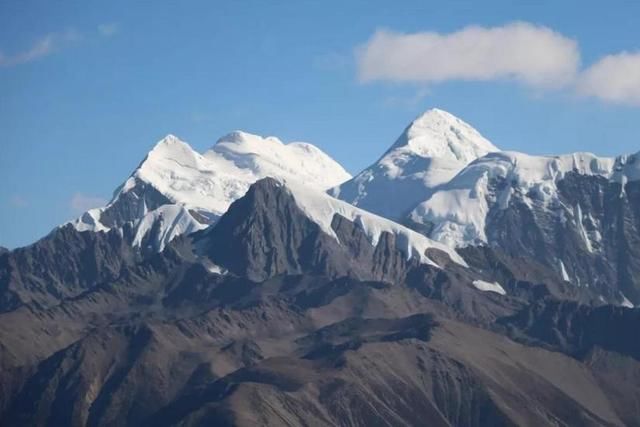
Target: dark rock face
<point>127,209</point>
<point>525,277</point>
<point>133,204</point>
<point>593,230</point>
<point>302,330</point>
<point>578,329</point>
<point>62,265</point>
<point>266,234</point>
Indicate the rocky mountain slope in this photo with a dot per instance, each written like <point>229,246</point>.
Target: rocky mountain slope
<point>577,214</point>
<point>268,317</point>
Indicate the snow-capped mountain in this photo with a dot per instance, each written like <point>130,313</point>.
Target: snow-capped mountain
<point>430,151</point>
<point>571,213</point>
<point>579,214</point>
<point>458,209</point>
<point>278,229</point>
<point>576,214</point>
<point>322,209</point>
<point>176,190</point>
<point>295,297</point>
<point>281,292</point>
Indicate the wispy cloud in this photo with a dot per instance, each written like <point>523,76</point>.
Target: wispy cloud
<point>80,202</point>
<point>108,30</point>
<point>614,78</point>
<point>17,201</point>
<point>42,47</point>
<point>534,55</point>
<point>51,43</point>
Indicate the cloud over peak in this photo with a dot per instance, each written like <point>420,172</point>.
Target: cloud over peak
<point>534,55</point>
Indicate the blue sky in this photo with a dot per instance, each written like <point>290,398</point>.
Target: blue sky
<point>86,88</point>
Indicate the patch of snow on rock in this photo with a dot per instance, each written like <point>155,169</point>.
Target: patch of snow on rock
<point>563,270</point>
<point>489,287</point>
<point>625,302</point>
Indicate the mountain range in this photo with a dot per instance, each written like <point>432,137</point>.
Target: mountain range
<point>258,283</point>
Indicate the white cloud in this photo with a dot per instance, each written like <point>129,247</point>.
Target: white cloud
<point>80,203</point>
<point>614,78</point>
<point>42,47</point>
<point>534,55</point>
<point>108,30</point>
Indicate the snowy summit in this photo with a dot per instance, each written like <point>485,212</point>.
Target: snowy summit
<point>430,151</point>
<point>177,190</point>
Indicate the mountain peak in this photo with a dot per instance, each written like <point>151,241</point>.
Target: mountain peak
<point>268,231</point>
<point>437,113</point>
<point>269,156</point>
<point>437,117</point>
<point>241,136</point>
<point>169,145</point>
<point>429,152</point>
<point>439,134</point>
<point>198,188</point>
<point>237,136</point>
<point>240,141</point>
<point>168,154</point>
<point>169,139</point>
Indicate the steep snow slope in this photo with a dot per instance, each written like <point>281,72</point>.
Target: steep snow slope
<point>163,224</point>
<point>321,208</point>
<point>457,211</point>
<point>202,186</point>
<point>430,151</point>
<point>578,214</point>
<point>298,161</point>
